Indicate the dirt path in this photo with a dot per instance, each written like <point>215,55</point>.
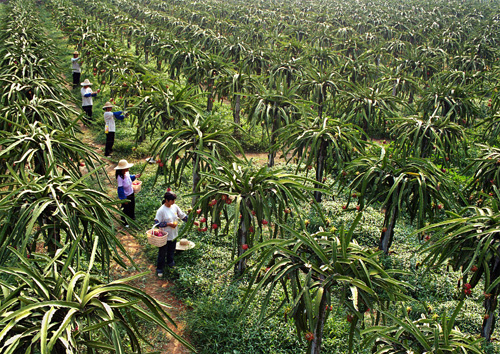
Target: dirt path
<point>160,289</point>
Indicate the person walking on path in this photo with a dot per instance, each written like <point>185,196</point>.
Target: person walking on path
<point>87,95</point>
<point>75,65</point>
<point>125,191</point>
<point>166,219</point>
<point>109,129</point>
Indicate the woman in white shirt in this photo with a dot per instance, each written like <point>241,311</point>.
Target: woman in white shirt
<point>75,66</point>
<point>166,219</point>
<point>87,95</point>
<point>109,120</point>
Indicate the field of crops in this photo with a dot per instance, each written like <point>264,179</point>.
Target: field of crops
<point>339,162</point>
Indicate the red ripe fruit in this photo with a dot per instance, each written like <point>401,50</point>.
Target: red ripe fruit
<point>384,229</point>
<point>196,223</point>
<point>427,237</point>
<point>358,208</point>
<point>474,268</point>
<point>265,222</point>
<point>204,229</point>
<point>198,211</point>
<point>244,246</point>
<point>161,164</point>
<point>467,292</point>
<point>251,229</point>
<point>158,161</point>
<point>444,170</point>
<point>253,212</point>
<point>203,220</point>
<point>199,229</point>
<point>82,164</point>
<point>223,197</point>
<point>344,207</point>
<point>440,206</point>
<point>309,336</point>
<point>309,167</point>
<point>486,316</point>
<point>169,190</point>
<point>214,226</point>
<point>467,286</point>
<point>350,318</point>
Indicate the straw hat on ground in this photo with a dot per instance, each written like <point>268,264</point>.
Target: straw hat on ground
<point>184,245</point>
<point>107,105</point>
<point>86,83</point>
<point>123,164</point>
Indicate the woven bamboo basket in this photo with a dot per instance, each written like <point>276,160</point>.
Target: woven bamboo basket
<point>136,186</point>
<point>157,241</point>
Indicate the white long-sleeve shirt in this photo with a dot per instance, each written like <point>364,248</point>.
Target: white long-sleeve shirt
<point>75,65</point>
<point>109,119</point>
<point>169,215</point>
<point>86,101</point>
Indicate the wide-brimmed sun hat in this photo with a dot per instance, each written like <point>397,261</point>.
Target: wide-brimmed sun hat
<point>75,52</point>
<point>86,83</point>
<point>107,105</point>
<point>184,244</point>
<point>123,164</point>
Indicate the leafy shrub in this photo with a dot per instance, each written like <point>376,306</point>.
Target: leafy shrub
<point>216,327</point>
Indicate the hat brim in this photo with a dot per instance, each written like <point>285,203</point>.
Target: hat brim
<point>86,84</point>
<point>180,247</point>
<point>104,107</point>
<point>124,167</point>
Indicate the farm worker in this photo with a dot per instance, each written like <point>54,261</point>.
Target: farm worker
<point>109,129</point>
<point>87,95</point>
<point>75,64</point>
<point>125,191</point>
<point>166,219</point>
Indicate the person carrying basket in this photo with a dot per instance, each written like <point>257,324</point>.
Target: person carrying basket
<point>166,219</point>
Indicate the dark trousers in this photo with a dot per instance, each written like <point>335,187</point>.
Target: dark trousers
<point>76,80</point>
<point>88,112</point>
<point>129,208</point>
<point>168,250</point>
<point>110,140</point>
